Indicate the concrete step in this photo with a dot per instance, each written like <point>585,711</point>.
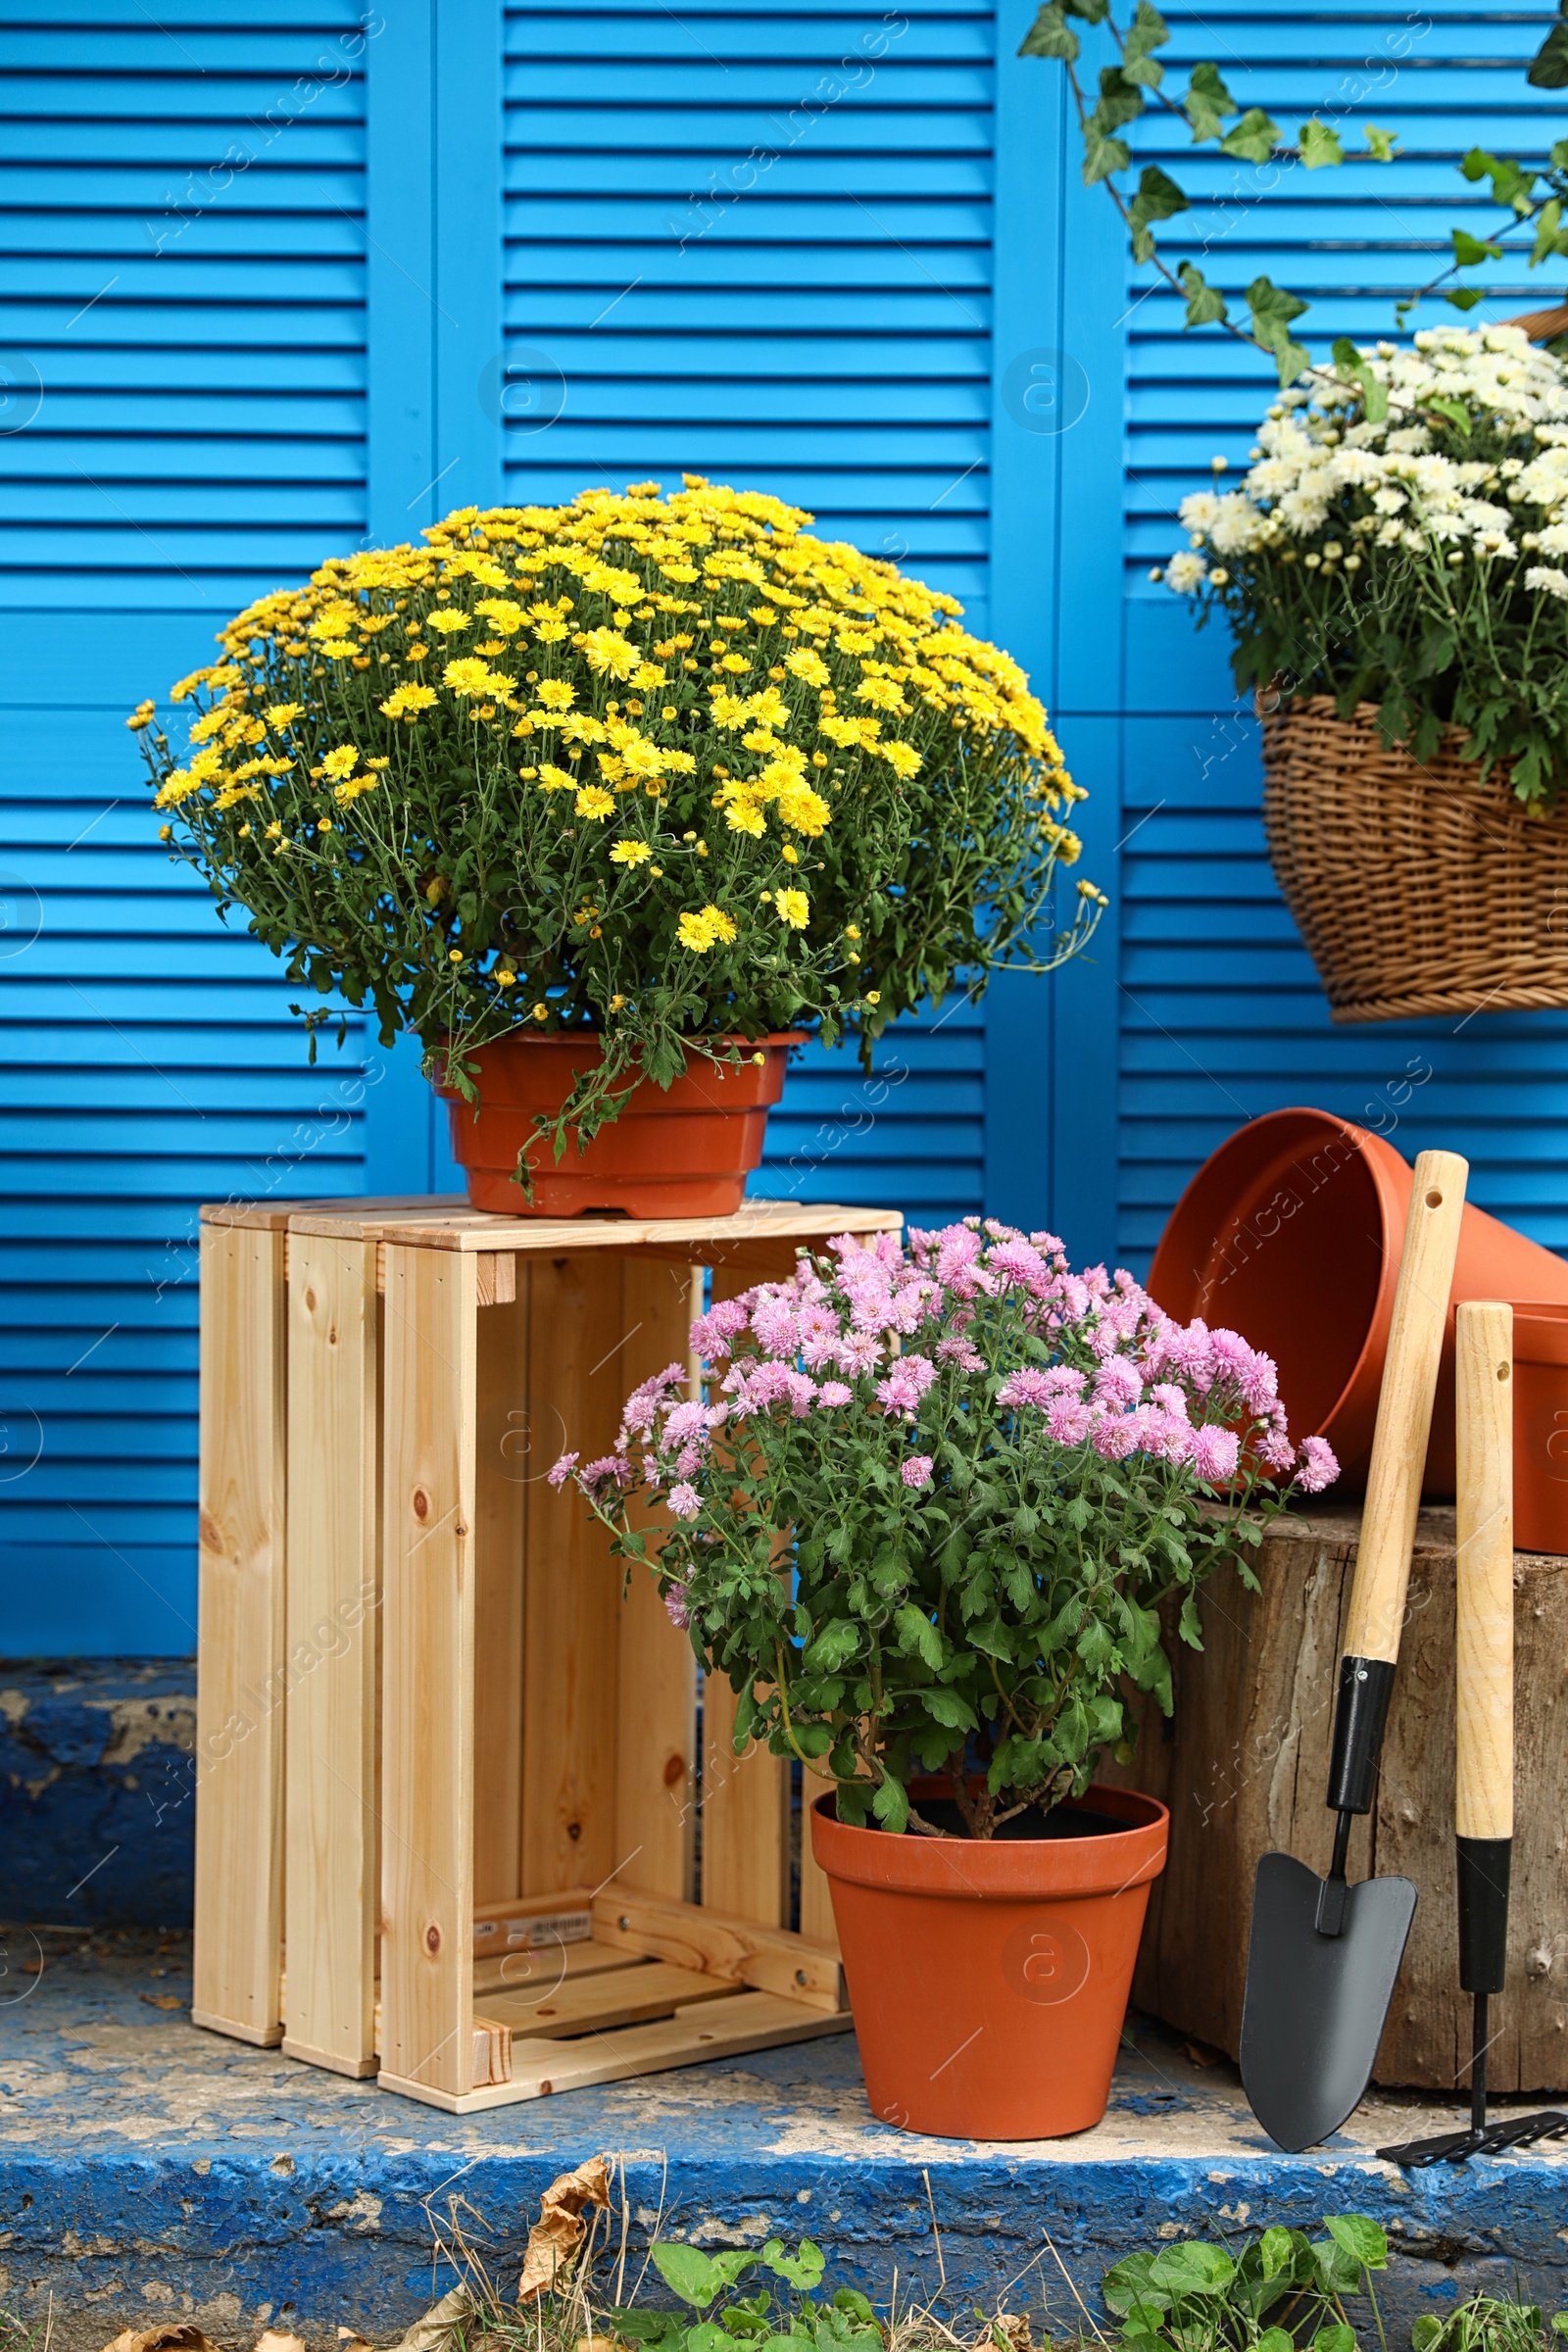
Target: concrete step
<point>149,2170</point>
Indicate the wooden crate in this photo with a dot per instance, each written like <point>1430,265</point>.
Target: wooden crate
<point>1245,1767</point>
<point>440,1756</point>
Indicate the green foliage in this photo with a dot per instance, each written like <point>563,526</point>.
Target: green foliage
<point>1549,71</point>
<point>1206,303</point>
<point>1318,145</point>
<point>1158,198</point>
<point>1281,2291</point>
<point>1206,103</point>
<point>763,2321</point>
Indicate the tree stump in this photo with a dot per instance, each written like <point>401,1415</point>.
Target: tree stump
<point>1243,1766</point>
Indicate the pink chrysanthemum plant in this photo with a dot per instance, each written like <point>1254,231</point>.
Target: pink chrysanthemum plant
<point>998,1471</point>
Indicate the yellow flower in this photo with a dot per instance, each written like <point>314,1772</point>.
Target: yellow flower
<point>502,614</point>
<point>506,979</point>
<point>454,954</point>
<point>903,757</point>
<point>807,664</point>
<point>142,718</point>
<point>406,701</point>
<point>851,930</point>
<point>609,653</point>
<point>541,1013</point>
<point>790,854</point>
<point>556,779</point>
<point>744,816</point>
<point>448,620</point>
<point>342,761</point>
<point>557,694</point>
<point>278,714</point>
<point>873,996</point>
<point>794,908</point>
<point>323,824</point>
<point>630,853</point>
<point>593,800</point>
<point>739,663</point>
<point>471,676</point>
<point>706,929</point>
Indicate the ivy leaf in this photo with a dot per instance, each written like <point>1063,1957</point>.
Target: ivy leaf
<point>1120,101</point>
<point>1465,298</point>
<point>1509,185</point>
<point>1103,157</point>
<point>1456,412</point>
<point>1549,222</point>
<point>1147,32</point>
<point>1382,146</point>
<point>1469,251</point>
<point>1548,70</point>
<point>1272,310</point>
<point>1051,35</point>
<point>1205,305</point>
<point>1158,198</point>
<point>1206,103</point>
<point>1254,139</point>
<point>1319,144</point>
<point>1360,371</point>
<point>1093,12</point>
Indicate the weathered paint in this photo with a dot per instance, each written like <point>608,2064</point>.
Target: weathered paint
<point>146,2168</point>
<point>96,1818</point>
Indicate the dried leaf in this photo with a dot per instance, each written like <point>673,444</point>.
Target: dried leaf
<point>162,2000</point>
<point>440,2323</point>
<point>1202,2054</point>
<point>557,2235</point>
<point>175,2335</point>
<point>272,2341</point>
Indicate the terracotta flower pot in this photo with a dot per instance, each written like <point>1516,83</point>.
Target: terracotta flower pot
<point>682,1154</point>
<point>989,1980</point>
<point>1290,1234</point>
<point>1540,1426</point>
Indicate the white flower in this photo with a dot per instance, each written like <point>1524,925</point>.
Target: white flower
<point>1199,512</point>
<point>1185,572</point>
<point>1542,575</point>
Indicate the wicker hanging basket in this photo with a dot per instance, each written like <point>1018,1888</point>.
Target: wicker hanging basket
<point>1417,890</point>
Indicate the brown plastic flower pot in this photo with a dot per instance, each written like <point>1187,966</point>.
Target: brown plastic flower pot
<point>989,1980</point>
<point>1540,1426</point>
<point>1290,1234</point>
<point>684,1152</point>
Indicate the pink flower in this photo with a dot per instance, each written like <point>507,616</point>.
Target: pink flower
<point>711,1334</point>
<point>1016,1262</point>
<point>915,1470</point>
<point>557,1476</point>
<point>954,1350</point>
<point>1117,1383</point>
<point>775,1326</point>
<point>1215,1451</point>
<point>679,1607</point>
<point>1069,1420</point>
<point>898,1393</point>
<point>608,1465</point>
<point>684,1501</point>
<point>1115,1437</point>
<point>1026,1386</point>
<point>1276,1452</point>
<point>802,1393</point>
<point>1319,1468</point>
<point>858,1353</point>
<point>834,1391</point>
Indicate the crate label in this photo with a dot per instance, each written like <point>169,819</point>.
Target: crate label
<point>537,1928</point>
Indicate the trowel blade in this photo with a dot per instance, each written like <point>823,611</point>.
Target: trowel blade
<point>1315,2004</point>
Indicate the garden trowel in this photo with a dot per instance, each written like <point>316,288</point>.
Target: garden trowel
<point>1323,1955</point>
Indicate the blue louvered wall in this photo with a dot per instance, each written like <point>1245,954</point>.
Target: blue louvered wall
<point>1220,1013</point>
<point>300,279</point>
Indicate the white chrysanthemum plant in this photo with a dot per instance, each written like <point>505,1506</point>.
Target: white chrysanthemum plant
<point>1402,539</point>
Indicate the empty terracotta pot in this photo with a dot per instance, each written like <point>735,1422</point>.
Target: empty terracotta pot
<point>684,1152</point>
<point>989,1980</point>
<point>1290,1234</point>
<point>1540,1426</point>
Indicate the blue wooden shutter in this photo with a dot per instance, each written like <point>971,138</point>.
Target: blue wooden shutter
<point>1221,1016</point>
<point>183,422</point>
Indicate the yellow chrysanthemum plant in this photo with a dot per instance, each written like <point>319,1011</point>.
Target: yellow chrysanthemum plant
<point>664,770</point>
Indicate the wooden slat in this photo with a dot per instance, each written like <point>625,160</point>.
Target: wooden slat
<point>460,1228</point>
<point>816,1899</point>
<point>429,1516</point>
<point>333,1594</point>
<point>746,1799</point>
<point>240,1638</point>
<point>552,1964</point>
<point>505,1466</point>
<point>594,2004</point>
<point>692,1936</point>
<point>572,1590</point>
<point>655,1728</point>
<point>752,2021</point>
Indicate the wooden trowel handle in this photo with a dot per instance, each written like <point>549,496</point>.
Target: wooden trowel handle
<point>1405,1406</point>
<point>1483,1528</point>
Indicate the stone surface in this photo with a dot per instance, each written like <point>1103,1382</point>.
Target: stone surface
<point>96,1805</point>
<point>148,2170</point>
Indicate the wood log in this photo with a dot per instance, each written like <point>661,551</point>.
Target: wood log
<point>1244,1764</point>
